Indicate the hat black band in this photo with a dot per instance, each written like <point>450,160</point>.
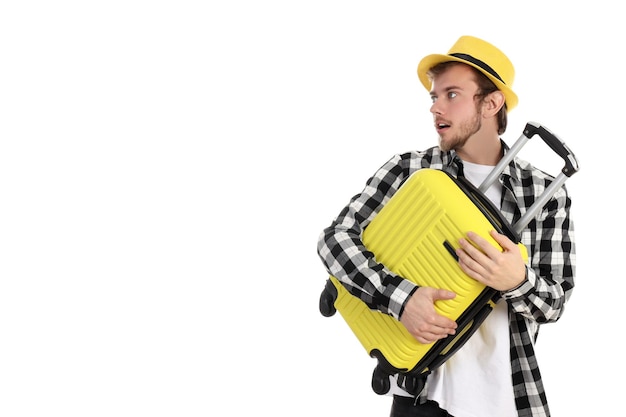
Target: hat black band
<point>478,62</point>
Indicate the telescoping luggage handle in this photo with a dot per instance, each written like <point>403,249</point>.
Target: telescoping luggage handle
<point>561,149</point>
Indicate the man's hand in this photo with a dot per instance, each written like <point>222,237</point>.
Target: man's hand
<point>488,265</point>
<point>421,319</point>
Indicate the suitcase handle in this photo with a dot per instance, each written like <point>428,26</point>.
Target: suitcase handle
<point>561,149</point>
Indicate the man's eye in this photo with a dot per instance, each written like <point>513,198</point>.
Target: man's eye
<point>451,94</point>
<point>433,98</point>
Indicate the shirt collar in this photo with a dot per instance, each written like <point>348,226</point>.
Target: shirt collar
<point>512,169</point>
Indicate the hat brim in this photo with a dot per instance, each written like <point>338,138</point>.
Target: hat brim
<point>431,60</point>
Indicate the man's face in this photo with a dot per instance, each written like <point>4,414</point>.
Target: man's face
<point>455,111</point>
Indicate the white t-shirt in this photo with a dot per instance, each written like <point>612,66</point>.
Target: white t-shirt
<point>476,380</point>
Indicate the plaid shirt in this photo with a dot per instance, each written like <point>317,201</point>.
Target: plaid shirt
<point>540,299</point>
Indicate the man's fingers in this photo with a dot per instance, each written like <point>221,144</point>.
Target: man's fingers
<point>441,294</point>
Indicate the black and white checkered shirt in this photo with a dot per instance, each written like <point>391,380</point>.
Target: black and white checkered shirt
<point>549,240</point>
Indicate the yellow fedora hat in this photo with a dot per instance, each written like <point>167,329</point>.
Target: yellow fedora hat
<point>481,55</point>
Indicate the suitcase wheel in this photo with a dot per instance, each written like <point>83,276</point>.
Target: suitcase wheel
<point>380,381</point>
<point>415,384</point>
<point>327,299</point>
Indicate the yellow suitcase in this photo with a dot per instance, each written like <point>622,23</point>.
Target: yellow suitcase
<point>415,236</point>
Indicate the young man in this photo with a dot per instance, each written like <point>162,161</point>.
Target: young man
<point>496,372</point>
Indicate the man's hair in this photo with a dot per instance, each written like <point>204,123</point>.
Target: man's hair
<point>485,87</point>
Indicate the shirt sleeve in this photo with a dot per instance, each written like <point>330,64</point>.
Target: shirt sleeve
<point>551,269</point>
<point>344,255</point>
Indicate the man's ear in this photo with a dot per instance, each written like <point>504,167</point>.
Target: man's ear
<point>493,102</point>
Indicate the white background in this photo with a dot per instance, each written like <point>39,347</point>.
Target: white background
<point>166,169</point>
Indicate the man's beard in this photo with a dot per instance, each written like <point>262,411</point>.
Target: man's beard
<point>467,129</point>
